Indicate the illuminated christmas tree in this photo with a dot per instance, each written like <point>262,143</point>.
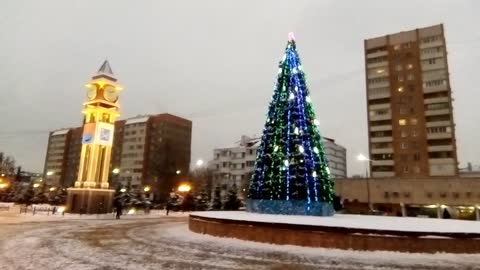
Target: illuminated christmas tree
<point>291,170</point>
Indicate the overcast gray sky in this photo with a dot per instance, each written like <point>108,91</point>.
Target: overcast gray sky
<point>214,62</point>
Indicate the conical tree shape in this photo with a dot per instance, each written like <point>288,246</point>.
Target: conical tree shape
<point>291,170</point>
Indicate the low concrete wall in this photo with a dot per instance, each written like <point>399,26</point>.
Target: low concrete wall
<point>329,237</point>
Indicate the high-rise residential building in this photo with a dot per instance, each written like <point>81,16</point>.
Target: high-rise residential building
<point>235,165</point>
<point>56,157</point>
<point>151,150</point>
<point>409,104</point>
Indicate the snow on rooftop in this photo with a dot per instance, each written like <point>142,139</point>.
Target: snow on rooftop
<point>137,120</point>
<point>410,224</point>
<point>60,132</point>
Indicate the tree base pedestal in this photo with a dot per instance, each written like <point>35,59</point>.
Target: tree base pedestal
<point>290,207</point>
<point>89,201</point>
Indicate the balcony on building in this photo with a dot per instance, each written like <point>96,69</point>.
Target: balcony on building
<point>445,123</point>
<point>440,64</point>
<point>381,139</point>
<point>385,162</point>
<point>437,112</point>
<point>380,117</point>
<point>425,56</point>
<point>439,135</point>
<point>381,128</point>
<point>378,64</point>
<point>383,174</point>
<point>436,43</point>
<point>436,100</point>
<point>440,148</point>
<point>386,150</point>
<point>376,54</point>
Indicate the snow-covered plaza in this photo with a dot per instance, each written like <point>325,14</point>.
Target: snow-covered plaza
<point>156,241</point>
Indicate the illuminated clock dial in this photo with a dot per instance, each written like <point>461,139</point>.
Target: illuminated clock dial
<point>92,92</point>
<point>110,94</point>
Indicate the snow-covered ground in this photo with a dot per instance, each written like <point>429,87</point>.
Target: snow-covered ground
<point>160,242</point>
<point>356,221</point>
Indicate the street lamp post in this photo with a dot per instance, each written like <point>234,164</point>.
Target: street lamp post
<point>363,158</point>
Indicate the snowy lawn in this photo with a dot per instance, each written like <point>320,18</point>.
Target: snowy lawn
<point>356,221</point>
<point>141,243</point>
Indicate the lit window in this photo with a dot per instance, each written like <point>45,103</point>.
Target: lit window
<point>396,47</point>
<point>380,71</point>
<point>402,122</point>
<point>409,66</point>
<point>400,89</point>
<point>413,121</point>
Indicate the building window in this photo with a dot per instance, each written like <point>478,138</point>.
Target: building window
<point>405,169</point>
<point>400,89</point>
<point>403,133</point>
<point>396,47</point>
<point>409,66</point>
<point>402,122</point>
<point>400,78</point>
<point>411,88</point>
<point>410,77</point>
<point>404,145</point>
<point>416,169</point>
<point>398,67</point>
<point>403,110</point>
<point>414,133</point>
<point>413,121</point>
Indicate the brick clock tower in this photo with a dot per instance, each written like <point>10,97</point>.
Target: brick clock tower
<point>91,193</point>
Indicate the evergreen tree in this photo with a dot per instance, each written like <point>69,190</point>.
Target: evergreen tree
<point>232,203</point>
<point>40,195</point>
<point>201,203</point>
<point>217,199</point>
<point>291,171</point>
<point>188,202</point>
<point>25,195</point>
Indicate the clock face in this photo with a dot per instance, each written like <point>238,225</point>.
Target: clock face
<point>92,92</point>
<point>110,94</point>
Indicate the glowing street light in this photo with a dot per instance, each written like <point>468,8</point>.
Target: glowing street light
<point>3,185</point>
<point>362,157</point>
<point>53,188</point>
<point>49,173</point>
<point>3,174</point>
<point>178,172</point>
<point>116,171</point>
<point>184,188</point>
<point>123,190</point>
<point>146,189</point>
<point>36,185</point>
<point>199,163</point>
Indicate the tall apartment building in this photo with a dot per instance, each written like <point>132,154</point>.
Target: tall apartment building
<point>152,150</point>
<point>235,165</point>
<point>409,103</point>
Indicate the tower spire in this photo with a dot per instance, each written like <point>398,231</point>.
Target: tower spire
<point>105,68</point>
